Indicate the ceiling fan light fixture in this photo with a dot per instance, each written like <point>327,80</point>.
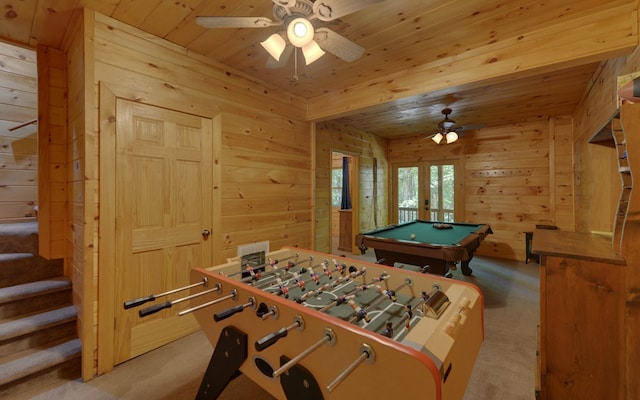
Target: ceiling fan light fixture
<point>300,32</point>
<point>437,138</point>
<point>452,136</point>
<point>312,52</point>
<point>446,123</point>
<point>275,45</point>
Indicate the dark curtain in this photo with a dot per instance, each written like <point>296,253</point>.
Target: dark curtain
<point>346,194</point>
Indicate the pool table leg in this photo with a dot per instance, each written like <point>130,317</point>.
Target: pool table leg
<point>466,270</point>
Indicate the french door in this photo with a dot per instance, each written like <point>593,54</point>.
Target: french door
<point>428,190</point>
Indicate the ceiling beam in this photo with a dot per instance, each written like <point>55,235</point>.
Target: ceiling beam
<point>607,32</point>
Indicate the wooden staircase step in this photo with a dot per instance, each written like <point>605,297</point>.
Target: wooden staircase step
<point>35,331</point>
<point>34,362</point>
<point>33,296</point>
<point>36,322</point>
<point>19,268</point>
<point>39,345</point>
<point>32,289</point>
<point>19,237</point>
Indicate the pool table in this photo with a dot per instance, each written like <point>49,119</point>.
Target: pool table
<point>421,243</point>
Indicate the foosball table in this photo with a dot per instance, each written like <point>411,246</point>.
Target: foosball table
<point>309,325</point>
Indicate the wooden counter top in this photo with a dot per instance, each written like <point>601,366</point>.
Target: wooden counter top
<point>580,245</point>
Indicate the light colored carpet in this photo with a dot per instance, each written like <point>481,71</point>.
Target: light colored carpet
<point>505,368</point>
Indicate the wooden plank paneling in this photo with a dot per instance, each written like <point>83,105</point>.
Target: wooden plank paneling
<point>18,145</point>
<point>263,152</point>
<point>506,179</point>
<point>364,147</point>
<point>139,55</point>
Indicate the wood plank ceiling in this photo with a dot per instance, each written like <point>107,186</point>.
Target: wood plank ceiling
<point>399,36</point>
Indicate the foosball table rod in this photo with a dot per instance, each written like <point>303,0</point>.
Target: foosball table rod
<point>141,300</point>
<point>366,354</point>
<point>329,337</point>
<point>233,295</point>
<point>157,307</point>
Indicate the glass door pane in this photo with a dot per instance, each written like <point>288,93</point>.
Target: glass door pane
<point>408,191</point>
<point>442,192</point>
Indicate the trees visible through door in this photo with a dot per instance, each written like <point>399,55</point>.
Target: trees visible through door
<point>442,192</point>
<point>426,191</point>
<point>408,193</point>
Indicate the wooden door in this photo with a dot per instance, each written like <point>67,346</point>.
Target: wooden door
<point>163,205</point>
<point>440,191</point>
<point>428,190</point>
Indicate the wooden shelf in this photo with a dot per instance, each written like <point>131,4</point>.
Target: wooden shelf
<point>604,136</point>
<point>620,140</point>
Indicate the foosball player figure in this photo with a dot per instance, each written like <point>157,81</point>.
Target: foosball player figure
<point>391,294</point>
<point>314,276</point>
<point>388,329</point>
<point>299,281</point>
<point>283,289</point>
<point>290,264</point>
<point>409,314</point>
<point>342,299</point>
<point>383,276</point>
<point>255,276</point>
<point>361,313</point>
<point>326,270</point>
<point>340,267</point>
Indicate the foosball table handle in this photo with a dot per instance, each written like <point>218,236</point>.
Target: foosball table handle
<point>272,338</point>
<point>233,310</point>
<point>154,309</point>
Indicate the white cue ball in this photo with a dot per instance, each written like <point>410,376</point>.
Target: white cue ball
<point>412,236</point>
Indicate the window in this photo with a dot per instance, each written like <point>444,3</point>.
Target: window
<point>336,187</point>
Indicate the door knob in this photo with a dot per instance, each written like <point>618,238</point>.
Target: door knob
<point>206,233</point>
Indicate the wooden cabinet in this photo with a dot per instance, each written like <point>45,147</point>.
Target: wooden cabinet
<point>345,243</point>
<point>582,312</point>
<point>590,292</point>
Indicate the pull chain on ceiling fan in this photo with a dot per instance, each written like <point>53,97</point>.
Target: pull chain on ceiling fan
<point>297,15</point>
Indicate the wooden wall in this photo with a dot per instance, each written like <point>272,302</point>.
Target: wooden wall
<point>336,162</point>
<point>372,209</point>
<point>514,177</point>
<point>598,165</point>
<point>18,147</point>
<point>597,178</point>
<point>52,151</point>
<point>264,154</point>
<point>81,190</point>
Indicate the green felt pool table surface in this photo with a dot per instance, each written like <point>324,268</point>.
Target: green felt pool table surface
<point>437,248</point>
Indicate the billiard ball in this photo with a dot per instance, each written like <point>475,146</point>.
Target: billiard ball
<point>412,236</point>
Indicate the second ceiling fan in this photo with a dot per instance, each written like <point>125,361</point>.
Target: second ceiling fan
<point>448,132</point>
<point>297,17</point>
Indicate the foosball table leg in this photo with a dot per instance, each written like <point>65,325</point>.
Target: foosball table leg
<point>230,352</point>
<point>299,383</point>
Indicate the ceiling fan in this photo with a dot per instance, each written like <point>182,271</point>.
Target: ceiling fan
<point>296,16</point>
<point>447,129</point>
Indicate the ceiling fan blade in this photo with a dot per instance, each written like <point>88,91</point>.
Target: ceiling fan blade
<point>285,3</point>
<point>338,45</point>
<point>472,127</point>
<point>284,57</point>
<point>327,10</point>
<point>236,22</point>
